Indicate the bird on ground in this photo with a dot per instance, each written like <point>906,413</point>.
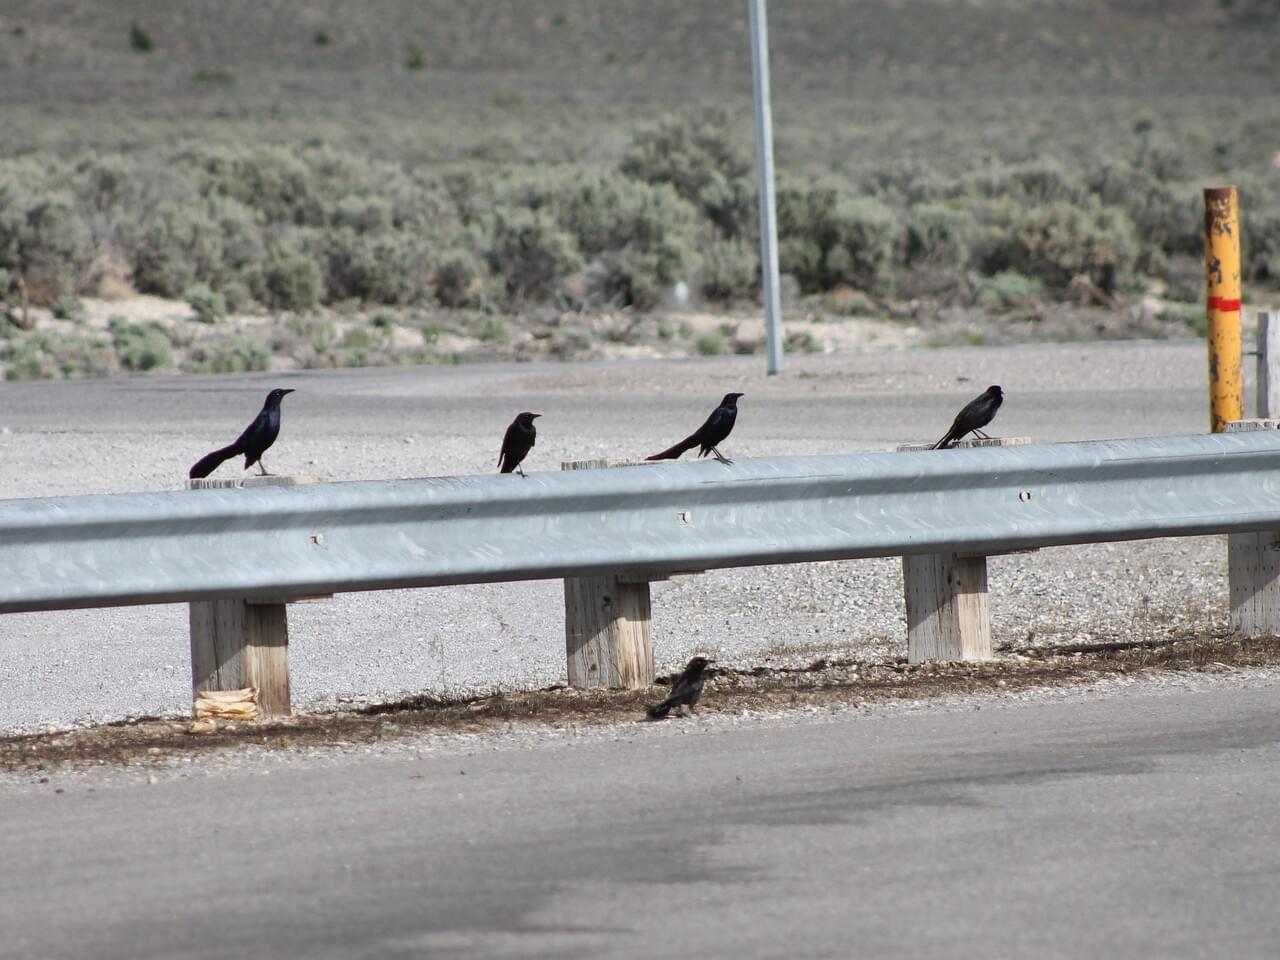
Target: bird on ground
<point>517,442</point>
<point>253,443</point>
<point>710,435</point>
<point>686,691</point>
<point>977,413</point>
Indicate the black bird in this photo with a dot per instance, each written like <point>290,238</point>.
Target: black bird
<point>253,443</point>
<point>710,435</point>
<point>686,691</point>
<point>977,413</point>
<point>517,442</point>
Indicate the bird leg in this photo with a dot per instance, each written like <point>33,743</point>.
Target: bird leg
<point>982,435</point>
<point>720,457</point>
<point>519,470</point>
<point>262,468</point>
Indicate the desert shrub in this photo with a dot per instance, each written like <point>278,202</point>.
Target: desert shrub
<point>292,280</point>
<point>180,245</point>
<point>730,271</point>
<point>641,237</point>
<point>276,182</point>
<point>802,342</point>
<point>1162,155</point>
<point>1029,184</point>
<point>713,344</point>
<point>904,183</point>
<point>140,347</point>
<point>1261,244</point>
<point>209,305</point>
<point>1009,291</point>
<point>1183,276</point>
<point>44,241</point>
<point>320,335</point>
<point>1166,216</point>
<point>387,267</point>
<point>1058,241</point>
<point>362,213</point>
<point>826,236</point>
<point>937,235</point>
<point>457,278</point>
<point>531,252</point>
<point>240,353</point>
<point>45,355</point>
<point>700,158</point>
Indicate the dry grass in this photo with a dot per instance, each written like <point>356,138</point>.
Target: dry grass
<point>823,682</point>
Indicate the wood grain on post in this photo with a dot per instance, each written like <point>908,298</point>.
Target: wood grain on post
<point>948,617</point>
<point>238,643</point>
<point>1253,565</point>
<point>608,626</point>
<point>1268,364</point>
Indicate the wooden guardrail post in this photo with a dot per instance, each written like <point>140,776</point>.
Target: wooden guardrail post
<point>1268,364</point>
<point>238,643</point>
<point>608,625</point>
<point>1253,566</point>
<point>948,616</point>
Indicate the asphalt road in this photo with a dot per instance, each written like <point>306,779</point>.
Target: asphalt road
<point>1141,823</point>
<point>76,437</point>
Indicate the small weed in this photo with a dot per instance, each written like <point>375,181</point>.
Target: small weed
<point>415,57</point>
<point>493,330</point>
<point>321,39</point>
<point>213,78</point>
<point>139,39</point>
<point>68,307</point>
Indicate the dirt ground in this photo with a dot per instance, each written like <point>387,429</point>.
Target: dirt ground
<point>823,682</point>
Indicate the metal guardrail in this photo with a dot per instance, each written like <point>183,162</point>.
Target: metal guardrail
<point>97,551</point>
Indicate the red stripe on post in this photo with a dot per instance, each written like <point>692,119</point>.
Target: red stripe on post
<point>1222,303</point>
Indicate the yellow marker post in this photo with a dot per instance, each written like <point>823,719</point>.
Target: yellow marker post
<point>1222,281</point>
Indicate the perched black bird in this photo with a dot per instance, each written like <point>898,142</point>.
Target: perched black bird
<point>517,442</point>
<point>977,413</point>
<point>253,443</point>
<point>686,691</point>
<point>710,434</point>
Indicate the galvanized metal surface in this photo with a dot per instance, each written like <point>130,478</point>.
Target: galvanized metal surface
<point>166,547</point>
<point>759,20</point>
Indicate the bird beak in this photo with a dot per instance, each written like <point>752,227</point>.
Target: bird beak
<point>537,415</point>
<point>290,390</point>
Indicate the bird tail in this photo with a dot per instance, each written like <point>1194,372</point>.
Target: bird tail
<point>671,453</point>
<point>657,711</point>
<point>948,438</point>
<point>211,461</point>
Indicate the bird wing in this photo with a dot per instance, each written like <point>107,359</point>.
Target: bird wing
<point>506,444</point>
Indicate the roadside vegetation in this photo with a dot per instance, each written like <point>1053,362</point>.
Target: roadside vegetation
<point>1034,213</point>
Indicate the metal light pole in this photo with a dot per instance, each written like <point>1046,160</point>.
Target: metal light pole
<point>764,166</point>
